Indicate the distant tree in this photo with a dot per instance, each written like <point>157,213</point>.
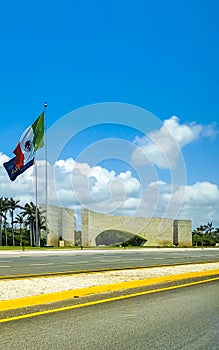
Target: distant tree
<point>201,229</point>
<point>30,212</point>
<point>41,224</point>
<point>205,235</point>
<point>12,205</point>
<point>209,228</point>
<point>195,234</point>
<point>20,220</point>
<point>216,234</point>
<point>78,239</point>
<point>5,210</point>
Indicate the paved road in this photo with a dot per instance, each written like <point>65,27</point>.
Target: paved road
<point>28,262</point>
<point>185,319</point>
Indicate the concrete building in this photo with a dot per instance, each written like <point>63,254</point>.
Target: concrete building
<point>61,226</point>
<point>155,231</point>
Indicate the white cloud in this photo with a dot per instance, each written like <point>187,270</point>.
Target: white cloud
<point>22,189</point>
<point>156,183</point>
<point>198,202</point>
<point>201,203</point>
<point>204,192</point>
<point>182,134</point>
<point>95,187</point>
<point>3,158</point>
<point>210,130</point>
<point>122,195</point>
<point>74,185</point>
<point>163,147</point>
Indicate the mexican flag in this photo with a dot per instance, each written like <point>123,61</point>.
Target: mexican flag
<point>31,140</point>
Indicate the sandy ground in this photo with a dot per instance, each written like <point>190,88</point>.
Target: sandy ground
<point>13,289</point>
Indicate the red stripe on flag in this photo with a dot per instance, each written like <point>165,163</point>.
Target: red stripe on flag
<point>19,161</point>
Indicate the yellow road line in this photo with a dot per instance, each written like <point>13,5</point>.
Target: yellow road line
<point>69,294</point>
<point>96,302</point>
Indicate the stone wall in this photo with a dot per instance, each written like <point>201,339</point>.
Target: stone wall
<point>61,225</point>
<point>183,233</point>
<point>156,231</point>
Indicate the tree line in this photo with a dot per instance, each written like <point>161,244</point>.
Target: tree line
<point>25,227</point>
<point>205,235</point>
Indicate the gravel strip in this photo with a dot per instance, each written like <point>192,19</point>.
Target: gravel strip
<point>13,289</point>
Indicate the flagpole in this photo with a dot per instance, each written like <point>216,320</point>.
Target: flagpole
<point>35,239</point>
<point>46,171</point>
<point>37,233</point>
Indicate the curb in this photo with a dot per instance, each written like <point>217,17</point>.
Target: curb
<point>6,305</point>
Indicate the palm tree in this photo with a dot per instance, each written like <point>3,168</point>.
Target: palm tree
<point>20,220</point>
<point>202,230</point>
<point>29,211</point>
<point>216,234</point>
<point>41,223</point>
<point>13,204</point>
<point>196,233</point>
<point>209,228</point>
<point>5,210</point>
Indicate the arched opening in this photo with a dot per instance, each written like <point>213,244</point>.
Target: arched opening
<point>119,238</point>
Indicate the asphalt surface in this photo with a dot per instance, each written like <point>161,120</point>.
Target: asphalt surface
<point>30,262</point>
<point>185,318</point>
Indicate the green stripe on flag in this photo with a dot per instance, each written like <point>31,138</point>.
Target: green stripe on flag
<point>38,131</point>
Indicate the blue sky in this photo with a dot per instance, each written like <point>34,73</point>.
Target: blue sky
<point>161,56</point>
